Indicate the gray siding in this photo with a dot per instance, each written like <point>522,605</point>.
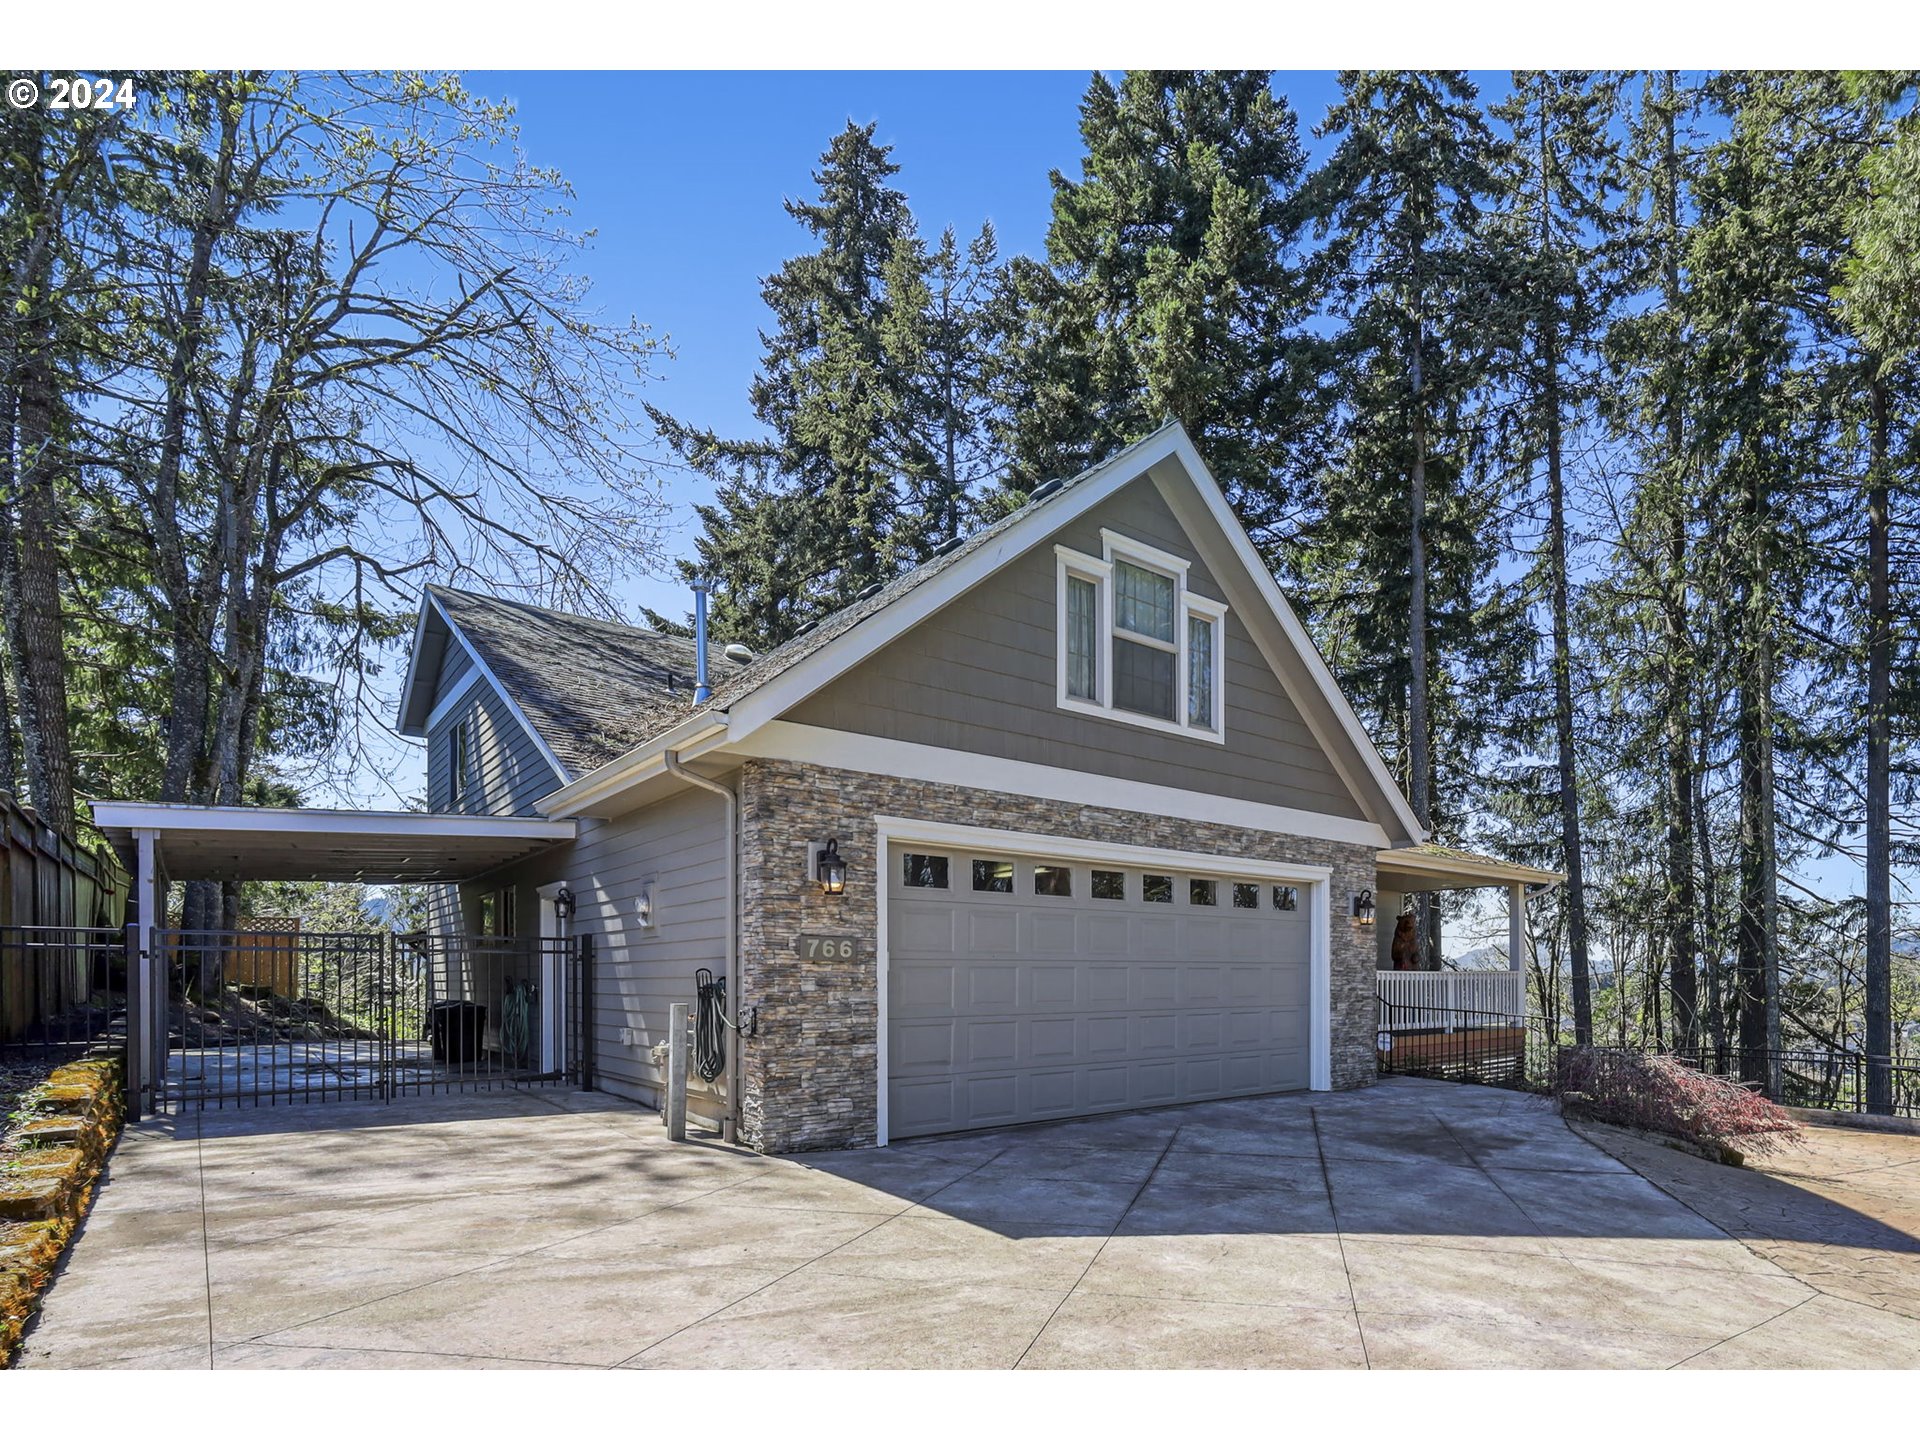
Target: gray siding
<point>980,676</point>
<point>507,772</point>
<point>678,848</point>
<point>455,665</point>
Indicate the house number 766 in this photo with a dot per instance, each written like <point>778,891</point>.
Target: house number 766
<point>824,947</point>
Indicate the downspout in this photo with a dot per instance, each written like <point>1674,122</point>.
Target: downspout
<point>730,1129</point>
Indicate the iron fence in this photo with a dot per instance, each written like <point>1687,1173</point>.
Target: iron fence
<point>65,988</point>
<point>1522,1052</point>
<point>262,1018</point>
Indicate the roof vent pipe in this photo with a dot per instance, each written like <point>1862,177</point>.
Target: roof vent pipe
<point>702,692</point>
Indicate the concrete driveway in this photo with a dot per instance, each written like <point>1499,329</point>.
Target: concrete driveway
<point>1413,1224</point>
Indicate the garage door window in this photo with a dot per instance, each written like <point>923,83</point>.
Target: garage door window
<point>1245,896</point>
<point>1285,897</point>
<point>1156,889</point>
<point>924,872</point>
<point>1109,885</point>
<point>1052,880</point>
<point>1202,892</point>
<point>994,876</point>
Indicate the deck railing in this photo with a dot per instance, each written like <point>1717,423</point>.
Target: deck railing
<point>1493,993</point>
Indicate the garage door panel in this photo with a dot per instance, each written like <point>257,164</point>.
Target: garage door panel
<point>1050,932</point>
<point>1051,985</point>
<point>992,930</point>
<point>927,1044</point>
<point>921,987</point>
<point>1203,1030</point>
<point>1108,1035</point>
<point>1052,1093</point>
<point>1155,985</point>
<point>1013,1006</point>
<point>1155,1083</point>
<point>1153,1033</point>
<point>923,930</point>
<point>1202,985</point>
<point>990,1099</point>
<point>1053,1041</point>
<point>993,986</point>
<point>992,1042</point>
<point>1204,939</point>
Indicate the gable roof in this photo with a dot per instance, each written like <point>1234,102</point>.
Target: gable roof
<point>587,690</point>
<point>773,683</point>
<point>618,695</point>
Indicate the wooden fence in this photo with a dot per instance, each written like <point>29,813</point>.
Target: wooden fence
<point>47,879</point>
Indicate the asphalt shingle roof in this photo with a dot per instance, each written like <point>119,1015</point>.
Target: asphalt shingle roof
<point>590,687</point>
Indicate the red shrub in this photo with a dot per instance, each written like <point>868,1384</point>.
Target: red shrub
<point>1657,1092</point>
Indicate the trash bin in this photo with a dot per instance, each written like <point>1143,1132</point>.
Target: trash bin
<point>457,1028</point>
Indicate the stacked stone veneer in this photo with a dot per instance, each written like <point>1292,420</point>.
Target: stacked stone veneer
<point>811,1071</point>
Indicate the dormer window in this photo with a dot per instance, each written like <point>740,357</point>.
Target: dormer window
<point>1135,644</point>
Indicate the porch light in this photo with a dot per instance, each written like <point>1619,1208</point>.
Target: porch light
<point>563,903</point>
<point>832,870</point>
<point>1363,907</point>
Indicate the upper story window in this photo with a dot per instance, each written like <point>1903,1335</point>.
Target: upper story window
<point>1136,644</point>
<point>459,760</point>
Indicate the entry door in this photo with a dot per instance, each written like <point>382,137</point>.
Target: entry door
<point>1021,988</point>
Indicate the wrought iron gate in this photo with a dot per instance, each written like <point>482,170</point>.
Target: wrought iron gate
<point>232,1018</point>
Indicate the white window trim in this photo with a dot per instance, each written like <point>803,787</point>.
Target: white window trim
<point>1098,571</point>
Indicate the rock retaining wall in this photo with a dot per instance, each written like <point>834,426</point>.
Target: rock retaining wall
<point>45,1188</point>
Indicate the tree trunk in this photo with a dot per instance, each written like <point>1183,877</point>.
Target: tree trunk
<point>34,620</point>
<point>1681,907</point>
<point>1879,957</point>
<point>1758,948</point>
<point>1419,757</point>
<point>1576,895</point>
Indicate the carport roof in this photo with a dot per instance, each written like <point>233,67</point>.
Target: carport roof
<point>244,842</point>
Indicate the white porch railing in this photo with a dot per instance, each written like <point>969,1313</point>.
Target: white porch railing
<point>1485,993</point>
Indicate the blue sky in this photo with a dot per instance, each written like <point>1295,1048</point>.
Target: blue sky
<point>681,176</point>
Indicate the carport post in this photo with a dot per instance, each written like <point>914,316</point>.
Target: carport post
<point>148,998</point>
<point>676,1115</point>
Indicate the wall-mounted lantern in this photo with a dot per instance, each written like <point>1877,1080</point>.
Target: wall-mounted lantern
<point>563,903</point>
<point>1363,907</point>
<point>829,869</point>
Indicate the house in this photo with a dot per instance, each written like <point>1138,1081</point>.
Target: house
<point>1111,835</point>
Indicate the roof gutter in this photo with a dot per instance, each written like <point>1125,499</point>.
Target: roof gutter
<point>736,1046</point>
<point>697,733</point>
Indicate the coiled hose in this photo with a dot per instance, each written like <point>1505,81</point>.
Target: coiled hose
<point>710,1024</point>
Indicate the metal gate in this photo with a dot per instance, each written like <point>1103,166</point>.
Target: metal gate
<point>229,1018</point>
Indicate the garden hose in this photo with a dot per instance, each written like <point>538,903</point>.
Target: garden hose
<point>710,1024</point>
<point>516,1015</point>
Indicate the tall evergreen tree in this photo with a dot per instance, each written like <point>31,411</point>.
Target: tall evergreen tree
<point>1170,288</point>
<point>1403,530</point>
<point>1558,181</point>
<point>868,391</point>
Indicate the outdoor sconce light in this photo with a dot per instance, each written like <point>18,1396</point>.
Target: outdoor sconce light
<point>830,870</point>
<point>1363,907</point>
<point>563,903</point>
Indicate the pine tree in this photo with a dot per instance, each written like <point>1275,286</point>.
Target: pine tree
<point>1170,287</point>
<point>1403,529</point>
<point>1558,179</point>
<point>811,514</point>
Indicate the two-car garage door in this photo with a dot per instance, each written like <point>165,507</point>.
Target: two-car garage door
<point>1025,988</point>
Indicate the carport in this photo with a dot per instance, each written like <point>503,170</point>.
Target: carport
<point>161,843</point>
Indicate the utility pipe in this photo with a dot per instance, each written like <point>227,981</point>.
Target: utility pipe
<point>730,1128</point>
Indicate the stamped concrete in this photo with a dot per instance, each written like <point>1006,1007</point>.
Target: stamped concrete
<point>1414,1224</point>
